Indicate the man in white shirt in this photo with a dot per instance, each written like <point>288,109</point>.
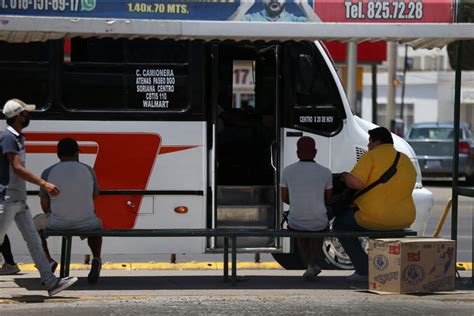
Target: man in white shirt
<point>306,186</point>
<point>74,208</point>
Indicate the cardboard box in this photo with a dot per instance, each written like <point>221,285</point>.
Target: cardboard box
<point>411,265</point>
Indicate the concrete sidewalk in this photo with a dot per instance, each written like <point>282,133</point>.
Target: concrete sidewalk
<point>146,292</point>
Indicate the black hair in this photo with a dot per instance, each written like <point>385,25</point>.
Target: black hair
<point>11,120</point>
<point>382,134</point>
<point>67,147</point>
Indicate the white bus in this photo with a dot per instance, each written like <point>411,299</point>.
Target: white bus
<point>173,138</point>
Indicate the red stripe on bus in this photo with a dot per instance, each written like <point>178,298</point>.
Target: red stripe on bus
<point>52,149</point>
<point>172,149</point>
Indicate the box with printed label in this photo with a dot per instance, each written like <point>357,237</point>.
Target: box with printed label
<point>411,265</point>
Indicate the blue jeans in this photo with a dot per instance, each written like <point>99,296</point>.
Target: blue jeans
<point>352,245</point>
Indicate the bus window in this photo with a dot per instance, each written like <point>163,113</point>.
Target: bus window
<point>313,98</point>
<point>24,73</point>
<point>127,75</point>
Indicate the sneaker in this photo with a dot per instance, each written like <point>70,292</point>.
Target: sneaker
<point>9,269</point>
<point>54,266</point>
<point>61,285</point>
<point>96,266</point>
<point>311,272</point>
<point>356,277</point>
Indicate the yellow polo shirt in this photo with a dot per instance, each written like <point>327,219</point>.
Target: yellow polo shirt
<point>388,206</point>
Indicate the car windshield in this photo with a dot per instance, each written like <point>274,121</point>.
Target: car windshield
<point>433,133</point>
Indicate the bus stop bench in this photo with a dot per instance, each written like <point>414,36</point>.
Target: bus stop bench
<point>226,234</point>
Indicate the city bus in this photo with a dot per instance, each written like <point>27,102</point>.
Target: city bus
<point>175,138</point>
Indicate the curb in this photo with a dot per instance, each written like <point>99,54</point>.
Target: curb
<point>167,266</point>
<point>462,266</point>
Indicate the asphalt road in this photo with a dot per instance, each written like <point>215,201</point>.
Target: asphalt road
<point>442,191</point>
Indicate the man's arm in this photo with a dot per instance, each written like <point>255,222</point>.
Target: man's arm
<point>239,14</point>
<point>285,195</point>
<point>352,181</point>
<point>25,174</point>
<point>45,204</point>
<point>308,11</point>
<point>327,195</point>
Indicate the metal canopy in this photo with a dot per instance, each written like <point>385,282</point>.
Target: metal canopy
<point>18,29</point>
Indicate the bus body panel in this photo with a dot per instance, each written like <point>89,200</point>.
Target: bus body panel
<point>191,162</point>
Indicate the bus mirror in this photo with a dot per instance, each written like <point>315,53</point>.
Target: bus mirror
<point>304,75</point>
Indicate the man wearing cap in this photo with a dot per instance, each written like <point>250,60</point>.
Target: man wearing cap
<point>74,208</point>
<point>13,207</point>
<point>306,186</point>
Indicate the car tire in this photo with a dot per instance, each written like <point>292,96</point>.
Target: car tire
<point>331,259</point>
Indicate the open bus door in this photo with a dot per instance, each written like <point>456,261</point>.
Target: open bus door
<point>246,139</point>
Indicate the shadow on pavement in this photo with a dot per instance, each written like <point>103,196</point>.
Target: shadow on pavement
<point>108,283</point>
<point>40,299</point>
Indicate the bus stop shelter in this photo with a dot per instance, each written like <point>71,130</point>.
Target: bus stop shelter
<point>420,24</point>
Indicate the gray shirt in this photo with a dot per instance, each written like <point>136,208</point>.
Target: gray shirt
<point>12,185</point>
<point>73,208</point>
<point>306,182</point>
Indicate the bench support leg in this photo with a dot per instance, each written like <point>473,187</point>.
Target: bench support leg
<point>234,260</point>
<point>226,259</point>
<point>68,255</point>
<point>63,257</point>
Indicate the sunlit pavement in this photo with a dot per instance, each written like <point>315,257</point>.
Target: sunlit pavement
<point>146,292</point>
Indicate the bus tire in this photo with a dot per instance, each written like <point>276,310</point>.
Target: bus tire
<point>335,254</point>
<point>295,259</point>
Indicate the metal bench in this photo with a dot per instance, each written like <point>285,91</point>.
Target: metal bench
<point>227,234</point>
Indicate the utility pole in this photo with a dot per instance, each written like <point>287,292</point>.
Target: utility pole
<point>392,68</point>
<point>351,74</point>
<point>404,83</point>
<point>374,94</point>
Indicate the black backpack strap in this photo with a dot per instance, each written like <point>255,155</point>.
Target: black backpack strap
<point>383,178</point>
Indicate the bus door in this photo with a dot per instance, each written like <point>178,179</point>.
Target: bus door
<point>245,101</point>
<point>311,106</point>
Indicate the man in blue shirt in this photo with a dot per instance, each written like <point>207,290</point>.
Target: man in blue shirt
<point>274,10</point>
<point>13,177</point>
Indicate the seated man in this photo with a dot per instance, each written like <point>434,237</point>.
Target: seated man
<point>306,186</point>
<point>388,206</point>
<point>74,208</point>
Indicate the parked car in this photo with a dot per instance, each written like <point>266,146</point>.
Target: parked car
<point>433,145</point>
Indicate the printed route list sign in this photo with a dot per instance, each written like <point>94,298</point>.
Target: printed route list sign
<point>157,88</point>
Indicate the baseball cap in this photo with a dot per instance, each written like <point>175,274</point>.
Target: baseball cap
<point>67,147</point>
<point>14,107</point>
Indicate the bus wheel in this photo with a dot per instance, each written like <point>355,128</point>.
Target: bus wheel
<point>295,260</point>
<point>335,254</point>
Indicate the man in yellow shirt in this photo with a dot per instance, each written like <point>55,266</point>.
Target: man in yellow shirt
<point>387,206</point>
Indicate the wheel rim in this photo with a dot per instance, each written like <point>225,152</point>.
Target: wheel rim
<point>336,255</point>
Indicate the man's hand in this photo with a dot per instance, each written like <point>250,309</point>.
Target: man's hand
<point>239,14</point>
<point>50,188</point>
<point>307,10</point>
<point>351,181</point>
